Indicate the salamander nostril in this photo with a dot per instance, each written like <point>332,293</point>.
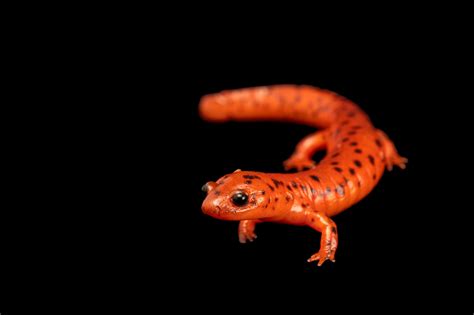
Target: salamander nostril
<point>207,187</point>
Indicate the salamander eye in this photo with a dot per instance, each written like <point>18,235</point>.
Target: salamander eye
<point>240,199</point>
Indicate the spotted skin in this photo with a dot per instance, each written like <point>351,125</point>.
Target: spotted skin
<point>357,155</point>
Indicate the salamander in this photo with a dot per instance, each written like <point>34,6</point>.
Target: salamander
<point>356,156</point>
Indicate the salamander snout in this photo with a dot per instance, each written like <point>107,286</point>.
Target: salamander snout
<point>211,203</point>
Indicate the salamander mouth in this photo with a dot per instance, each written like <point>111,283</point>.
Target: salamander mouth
<point>219,211</point>
<point>223,214</point>
<point>229,214</point>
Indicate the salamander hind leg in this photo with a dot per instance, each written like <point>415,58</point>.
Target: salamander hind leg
<point>247,230</point>
<point>389,151</point>
<point>328,229</point>
<point>301,158</point>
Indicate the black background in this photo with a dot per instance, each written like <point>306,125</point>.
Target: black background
<point>114,209</point>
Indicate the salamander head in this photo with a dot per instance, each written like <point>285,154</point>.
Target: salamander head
<point>237,196</point>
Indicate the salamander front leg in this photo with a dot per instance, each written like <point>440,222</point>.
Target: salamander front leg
<point>305,149</point>
<point>327,227</point>
<point>246,230</point>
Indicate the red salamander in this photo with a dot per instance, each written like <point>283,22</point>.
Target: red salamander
<point>357,155</point>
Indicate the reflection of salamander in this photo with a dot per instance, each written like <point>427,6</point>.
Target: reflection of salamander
<point>357,155</point>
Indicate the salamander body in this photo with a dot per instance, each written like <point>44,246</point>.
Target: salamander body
<point>357,155</point>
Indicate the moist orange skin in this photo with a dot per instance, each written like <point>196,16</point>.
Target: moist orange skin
<point>357,155</point>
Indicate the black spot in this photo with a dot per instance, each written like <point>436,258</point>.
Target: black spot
<point>328,189</point>
<point>287,198</point>
<point>352,171</point>
<point>345,139</point>
<point>277,182</point>
<point>345,180</point>
<point>263,192</point>
<point>357,163</point>
<point>251,177</point>
<point>294,185</point>
<point>316,178</point>
<point>313,191</point>
<point>248,182</point>
<point>353,144</point>
<point>352,132</point>
<point>333,229</point>
<point>304,188</point>
<point>335,163</point>
<point>217,192</point>
<point>276,199</point>
<point>345,122</point>
<point>358,183</point>
<point>340,190</point>
<point>289,187</point>
<point>335,154</point>
<point>374,177</point>
<point>359,151</point>
<point>338,169</point>
<point>271,187</point>
<point>378,143</point>
<point>371,159</point>
<point>312,219</point>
